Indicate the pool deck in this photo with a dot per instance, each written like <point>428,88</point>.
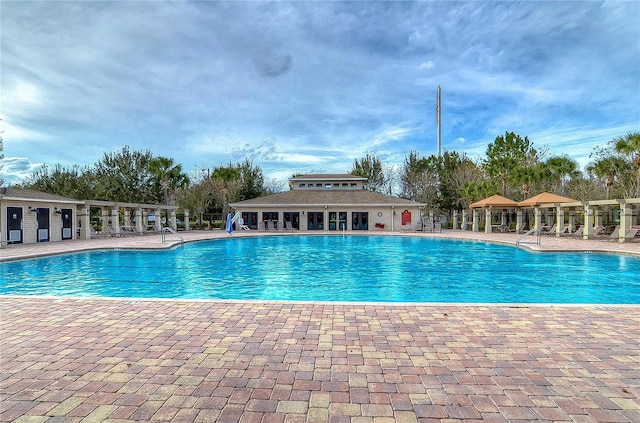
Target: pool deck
<point>117,360</point>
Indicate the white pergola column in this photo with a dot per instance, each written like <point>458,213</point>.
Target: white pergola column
<point>158,221</point>
<point>588,222</point>
<point>475,227</point>
<point>186,220</point>
<point>559,219</point>
<point>597,217</point>
<point>115,220</point>
<point>139,221</point>
<point>487,220</point>
<point>626,217</point>
<point>519,219</point>
<point>127,217</point>
<point>104,219</point>
<point>172,220</point>
<point>84,218</point>
<point>465,218</point>
<point>572,220</point>
<point>537,218</point>
<point>455,219</point>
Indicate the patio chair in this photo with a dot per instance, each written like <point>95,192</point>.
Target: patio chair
<point>578,232</point>
<point>261,226</point>
<point>547,230</point>
<point>97,235</point>
<point>270,226</point>
<point>280,226</point>
<point>289,226</point>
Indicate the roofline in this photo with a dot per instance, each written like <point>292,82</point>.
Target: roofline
<point>420,205</point>
<point>325,178</point>
<point>40,200</point>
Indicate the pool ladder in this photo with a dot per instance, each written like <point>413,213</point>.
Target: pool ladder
<point>534,231</point>
<point>170,230</point>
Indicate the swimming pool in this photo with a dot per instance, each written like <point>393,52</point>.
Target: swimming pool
<point>334,268</point>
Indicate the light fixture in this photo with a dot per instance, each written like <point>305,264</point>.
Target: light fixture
<point>33,209</point>
<point>57,211</point>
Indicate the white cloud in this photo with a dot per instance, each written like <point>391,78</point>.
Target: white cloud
<point>311,85</point>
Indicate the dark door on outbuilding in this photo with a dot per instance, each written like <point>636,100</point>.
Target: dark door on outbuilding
<point>42,217</point>
<point>67,223</point>
<point>14,225</point>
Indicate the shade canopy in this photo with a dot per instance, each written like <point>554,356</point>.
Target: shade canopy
<point>545,198</point>
<point>495,201</point>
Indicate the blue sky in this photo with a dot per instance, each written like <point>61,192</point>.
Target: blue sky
<point>311,86</point>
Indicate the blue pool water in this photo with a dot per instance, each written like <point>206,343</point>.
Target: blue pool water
<point>334,268</point>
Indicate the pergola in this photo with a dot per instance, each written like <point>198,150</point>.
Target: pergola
<point>568,212</point>
<point>494,202</point>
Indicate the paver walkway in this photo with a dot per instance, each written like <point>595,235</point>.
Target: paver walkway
<point>205,361</point>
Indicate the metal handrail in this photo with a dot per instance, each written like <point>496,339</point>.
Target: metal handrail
<point>529,232</point>
<point>170,230</point>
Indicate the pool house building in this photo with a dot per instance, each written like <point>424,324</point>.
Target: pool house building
<point>329,202</point>
<point>29,216</point>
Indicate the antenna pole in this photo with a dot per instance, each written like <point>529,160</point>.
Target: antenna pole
<point>438,120</point>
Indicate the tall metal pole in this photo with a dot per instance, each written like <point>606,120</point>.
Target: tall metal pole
<point>438,120</point>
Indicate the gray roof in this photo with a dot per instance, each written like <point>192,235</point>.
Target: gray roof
<point>28,194</point>
<point>327,197</point>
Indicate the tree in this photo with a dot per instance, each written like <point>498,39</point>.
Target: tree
<point>419,180</point>
<point>607,166</point>
<point>74,182</point>
<point>560,169</point>
<point>252,180</point>
<point>197,197</point>
<point>506,154</point>
<point>227,186</point>
<point>169,176</point>
<point>630,145</point>
<point>370,167</point>
<point>124,176</point>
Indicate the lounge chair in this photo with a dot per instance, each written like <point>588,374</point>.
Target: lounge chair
<point>419,226</point>
<point>98,235</point>
<point>245,228</point>
<point>270,226</point>
<point>280,226</point>
<point>546,230</point>
<point>261,226</point>
<point>578,232</point>
<point>289,227</point>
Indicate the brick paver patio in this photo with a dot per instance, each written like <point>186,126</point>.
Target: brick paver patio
<point>205,361</point>
<point>94,360</point>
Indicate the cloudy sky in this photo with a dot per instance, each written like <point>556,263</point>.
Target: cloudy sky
<point>311,86</point>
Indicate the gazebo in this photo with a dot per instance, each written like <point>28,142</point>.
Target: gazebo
<point>548,200</point>
<point>493,202</point>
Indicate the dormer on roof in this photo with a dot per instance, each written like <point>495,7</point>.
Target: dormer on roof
<point>327,181</point>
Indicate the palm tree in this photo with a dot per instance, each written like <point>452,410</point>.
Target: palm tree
<point>607,168</point>
<point>169,174</point>
<point>630,145</point>
<point>559,168</point>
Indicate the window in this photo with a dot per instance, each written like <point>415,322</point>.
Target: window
<point>353,185</point>
<point>301,185</point>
